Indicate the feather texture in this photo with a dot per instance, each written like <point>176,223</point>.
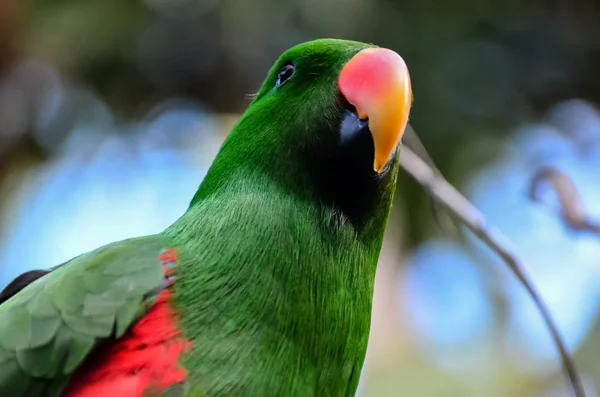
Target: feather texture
<point>146,358</point>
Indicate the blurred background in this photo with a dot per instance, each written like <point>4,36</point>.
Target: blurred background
<point>111,111</point>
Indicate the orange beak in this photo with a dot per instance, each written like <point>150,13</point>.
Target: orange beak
<point>376,82</point>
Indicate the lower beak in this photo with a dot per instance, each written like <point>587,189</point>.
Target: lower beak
<point>377,83</point>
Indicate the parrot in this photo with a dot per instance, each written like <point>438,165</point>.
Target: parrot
<point>264,285</point>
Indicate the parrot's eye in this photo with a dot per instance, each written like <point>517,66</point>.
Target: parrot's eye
<point>284,74</point>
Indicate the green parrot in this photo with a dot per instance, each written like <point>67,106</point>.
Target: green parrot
<point>264,286</point>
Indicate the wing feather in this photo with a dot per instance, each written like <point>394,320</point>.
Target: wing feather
<point>50,321</point>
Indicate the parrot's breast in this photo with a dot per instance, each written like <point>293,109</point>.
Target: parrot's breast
<point>144,360</point>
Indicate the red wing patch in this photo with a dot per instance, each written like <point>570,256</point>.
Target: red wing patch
<point>145,358</point>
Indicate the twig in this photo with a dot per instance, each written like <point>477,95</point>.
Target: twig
<point>459,206</point>
<point>572,209</point>
<point>412,141</point>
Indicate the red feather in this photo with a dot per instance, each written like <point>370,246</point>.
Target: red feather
<point>145,359</point>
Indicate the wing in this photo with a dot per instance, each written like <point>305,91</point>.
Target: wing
<point>47,328</point>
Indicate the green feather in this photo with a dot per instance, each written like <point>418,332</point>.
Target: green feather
<point>78,346</point>
<point>126,313</point>
<point>41,362</point>
<point>13,380</point>
<point>49,328</point>
<point>41,305</point>
<point>43,329</point>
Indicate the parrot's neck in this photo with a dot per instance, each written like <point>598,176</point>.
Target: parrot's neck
<point>275,292</point>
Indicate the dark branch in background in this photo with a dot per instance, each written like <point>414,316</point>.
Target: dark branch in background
<point>572,209</point>
<point>453,201</point>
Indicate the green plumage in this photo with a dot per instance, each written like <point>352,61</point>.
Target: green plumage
<point>276,263</point>
<point>48,329</point>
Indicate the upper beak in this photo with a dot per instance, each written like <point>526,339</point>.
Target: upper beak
<point>376,82</point>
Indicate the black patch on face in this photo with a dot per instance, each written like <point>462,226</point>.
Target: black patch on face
<point>344,174</point>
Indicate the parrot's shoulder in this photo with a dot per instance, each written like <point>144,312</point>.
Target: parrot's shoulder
<point>20,282</point>
<point>51,320</point>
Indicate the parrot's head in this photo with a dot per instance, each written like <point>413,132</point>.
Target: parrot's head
<point>326,123</point>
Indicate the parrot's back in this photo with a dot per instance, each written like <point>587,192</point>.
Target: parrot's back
<point>75,322</point>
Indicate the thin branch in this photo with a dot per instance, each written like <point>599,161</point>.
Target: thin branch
<point>412,141</point>
<point>572,209</point>
<point>450,198</point>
